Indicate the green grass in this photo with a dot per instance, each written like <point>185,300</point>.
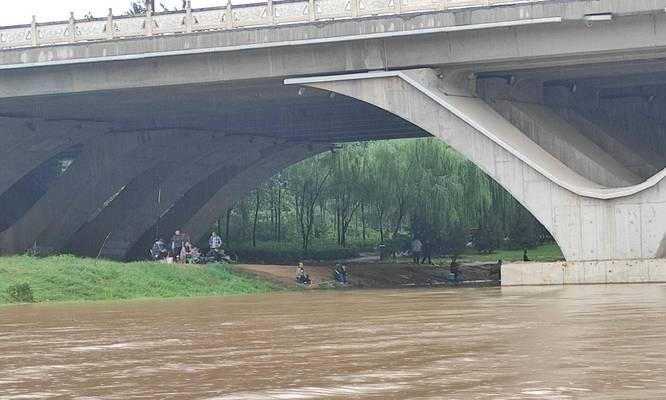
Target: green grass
<point>546,253</point>
<point>67,278</point>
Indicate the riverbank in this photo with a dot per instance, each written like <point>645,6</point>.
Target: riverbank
<point>68,278</point>
<point>377,275</point>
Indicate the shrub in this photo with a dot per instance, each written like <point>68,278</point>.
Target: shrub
<point>290,253</point>
<point>21,293</point>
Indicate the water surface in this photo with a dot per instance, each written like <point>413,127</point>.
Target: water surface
<point>591,342</point>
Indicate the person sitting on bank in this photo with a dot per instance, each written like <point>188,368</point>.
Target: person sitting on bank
<point>300,273</point>
<point>340,273</point>
<point>196,256</point>
<point>159,250</point>
<point>454,271</point>
<point>186,253</point>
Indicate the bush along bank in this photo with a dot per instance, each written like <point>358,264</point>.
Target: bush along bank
<point>290,253</point>
<point>68,278</point>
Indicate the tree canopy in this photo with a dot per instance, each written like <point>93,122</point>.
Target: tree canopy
<point>385,192</point>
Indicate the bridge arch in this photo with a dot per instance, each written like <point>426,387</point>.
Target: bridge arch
<point>590,221</point>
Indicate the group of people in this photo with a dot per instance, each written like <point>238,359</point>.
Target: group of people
<point>181,250</point>
<point>339,274</point>
<point>420,248</point>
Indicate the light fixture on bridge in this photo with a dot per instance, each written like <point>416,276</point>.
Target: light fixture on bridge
<point>301,91</point>
<point>598,17</point>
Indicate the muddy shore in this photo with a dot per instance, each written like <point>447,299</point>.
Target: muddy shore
<point>377,275</point>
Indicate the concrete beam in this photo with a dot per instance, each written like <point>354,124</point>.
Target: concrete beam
<point>566,143</point>
<point>234,55</point>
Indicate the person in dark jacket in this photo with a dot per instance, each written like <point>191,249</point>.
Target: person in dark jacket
<point>177,242</point>
<point>427,251</point>
<point>159,250</point>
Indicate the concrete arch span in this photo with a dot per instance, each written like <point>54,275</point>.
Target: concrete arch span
<point>210,197</point>
<point>100,172</point>
<point>151,195</point>
<point>590,222</point>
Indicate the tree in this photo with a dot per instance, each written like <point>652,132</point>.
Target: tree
<point>308,180</point>
<point>488,237</point>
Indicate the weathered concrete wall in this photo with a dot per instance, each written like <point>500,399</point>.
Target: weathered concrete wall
<point>565,143</point>
<point>578,272</point>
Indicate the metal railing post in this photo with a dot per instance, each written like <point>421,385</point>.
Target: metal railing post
<point>33,30</point>
<point>229,15</point>
<point>149,22</point>
<point>72,27</point>
<point>397,6</point>
<point>312,11</point>
<point>354,8</point>
<point>188,16</point>
<point>109,24</point>
<point>270,12</point>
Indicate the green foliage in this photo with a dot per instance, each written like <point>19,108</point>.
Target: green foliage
<point>547,252</point>
<point>384,192</point>
<point>524,231</point>
<point>67,278</point>
<point>291,253</point>
<point>488,237</point>
<point>455,240</point>
<point>21,293</point>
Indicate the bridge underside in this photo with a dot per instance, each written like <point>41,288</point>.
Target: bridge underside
<point>582,147</point>
<point>108,171</point>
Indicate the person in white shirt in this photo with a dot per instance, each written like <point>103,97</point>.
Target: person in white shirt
<point>416,250</point>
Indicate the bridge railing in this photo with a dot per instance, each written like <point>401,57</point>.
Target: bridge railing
<point>272,12</point>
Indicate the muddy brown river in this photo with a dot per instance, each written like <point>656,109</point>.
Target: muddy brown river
<point>587,342</point>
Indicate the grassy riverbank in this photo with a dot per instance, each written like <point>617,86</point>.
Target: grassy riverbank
<point>67,278</point>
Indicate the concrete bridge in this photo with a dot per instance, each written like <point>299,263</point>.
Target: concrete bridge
<point>109,125</point>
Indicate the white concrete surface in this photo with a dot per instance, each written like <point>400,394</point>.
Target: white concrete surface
<point>584,272</point>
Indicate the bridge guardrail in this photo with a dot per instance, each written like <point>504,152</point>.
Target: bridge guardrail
<point>272,12</point>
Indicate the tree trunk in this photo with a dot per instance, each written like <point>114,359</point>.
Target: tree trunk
<point>228,219</point>
<point>279,214</point>
<point>256,217</point>
<point>363,221</point>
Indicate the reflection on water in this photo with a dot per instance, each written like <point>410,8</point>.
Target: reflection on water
<point>592,342</point>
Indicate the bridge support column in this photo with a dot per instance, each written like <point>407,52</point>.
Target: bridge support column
<point>590,222</point>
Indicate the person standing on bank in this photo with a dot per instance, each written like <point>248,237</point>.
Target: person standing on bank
<point>427,252</point>
<point>177,241</point>
<point>416,250</point>
<point>215,242</point>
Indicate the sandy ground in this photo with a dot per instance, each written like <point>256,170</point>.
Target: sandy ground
<point>376,275</point>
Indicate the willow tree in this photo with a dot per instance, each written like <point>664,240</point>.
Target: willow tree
<point>307,181</point>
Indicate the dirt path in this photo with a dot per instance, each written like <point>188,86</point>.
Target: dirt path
<point>371,275</point>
